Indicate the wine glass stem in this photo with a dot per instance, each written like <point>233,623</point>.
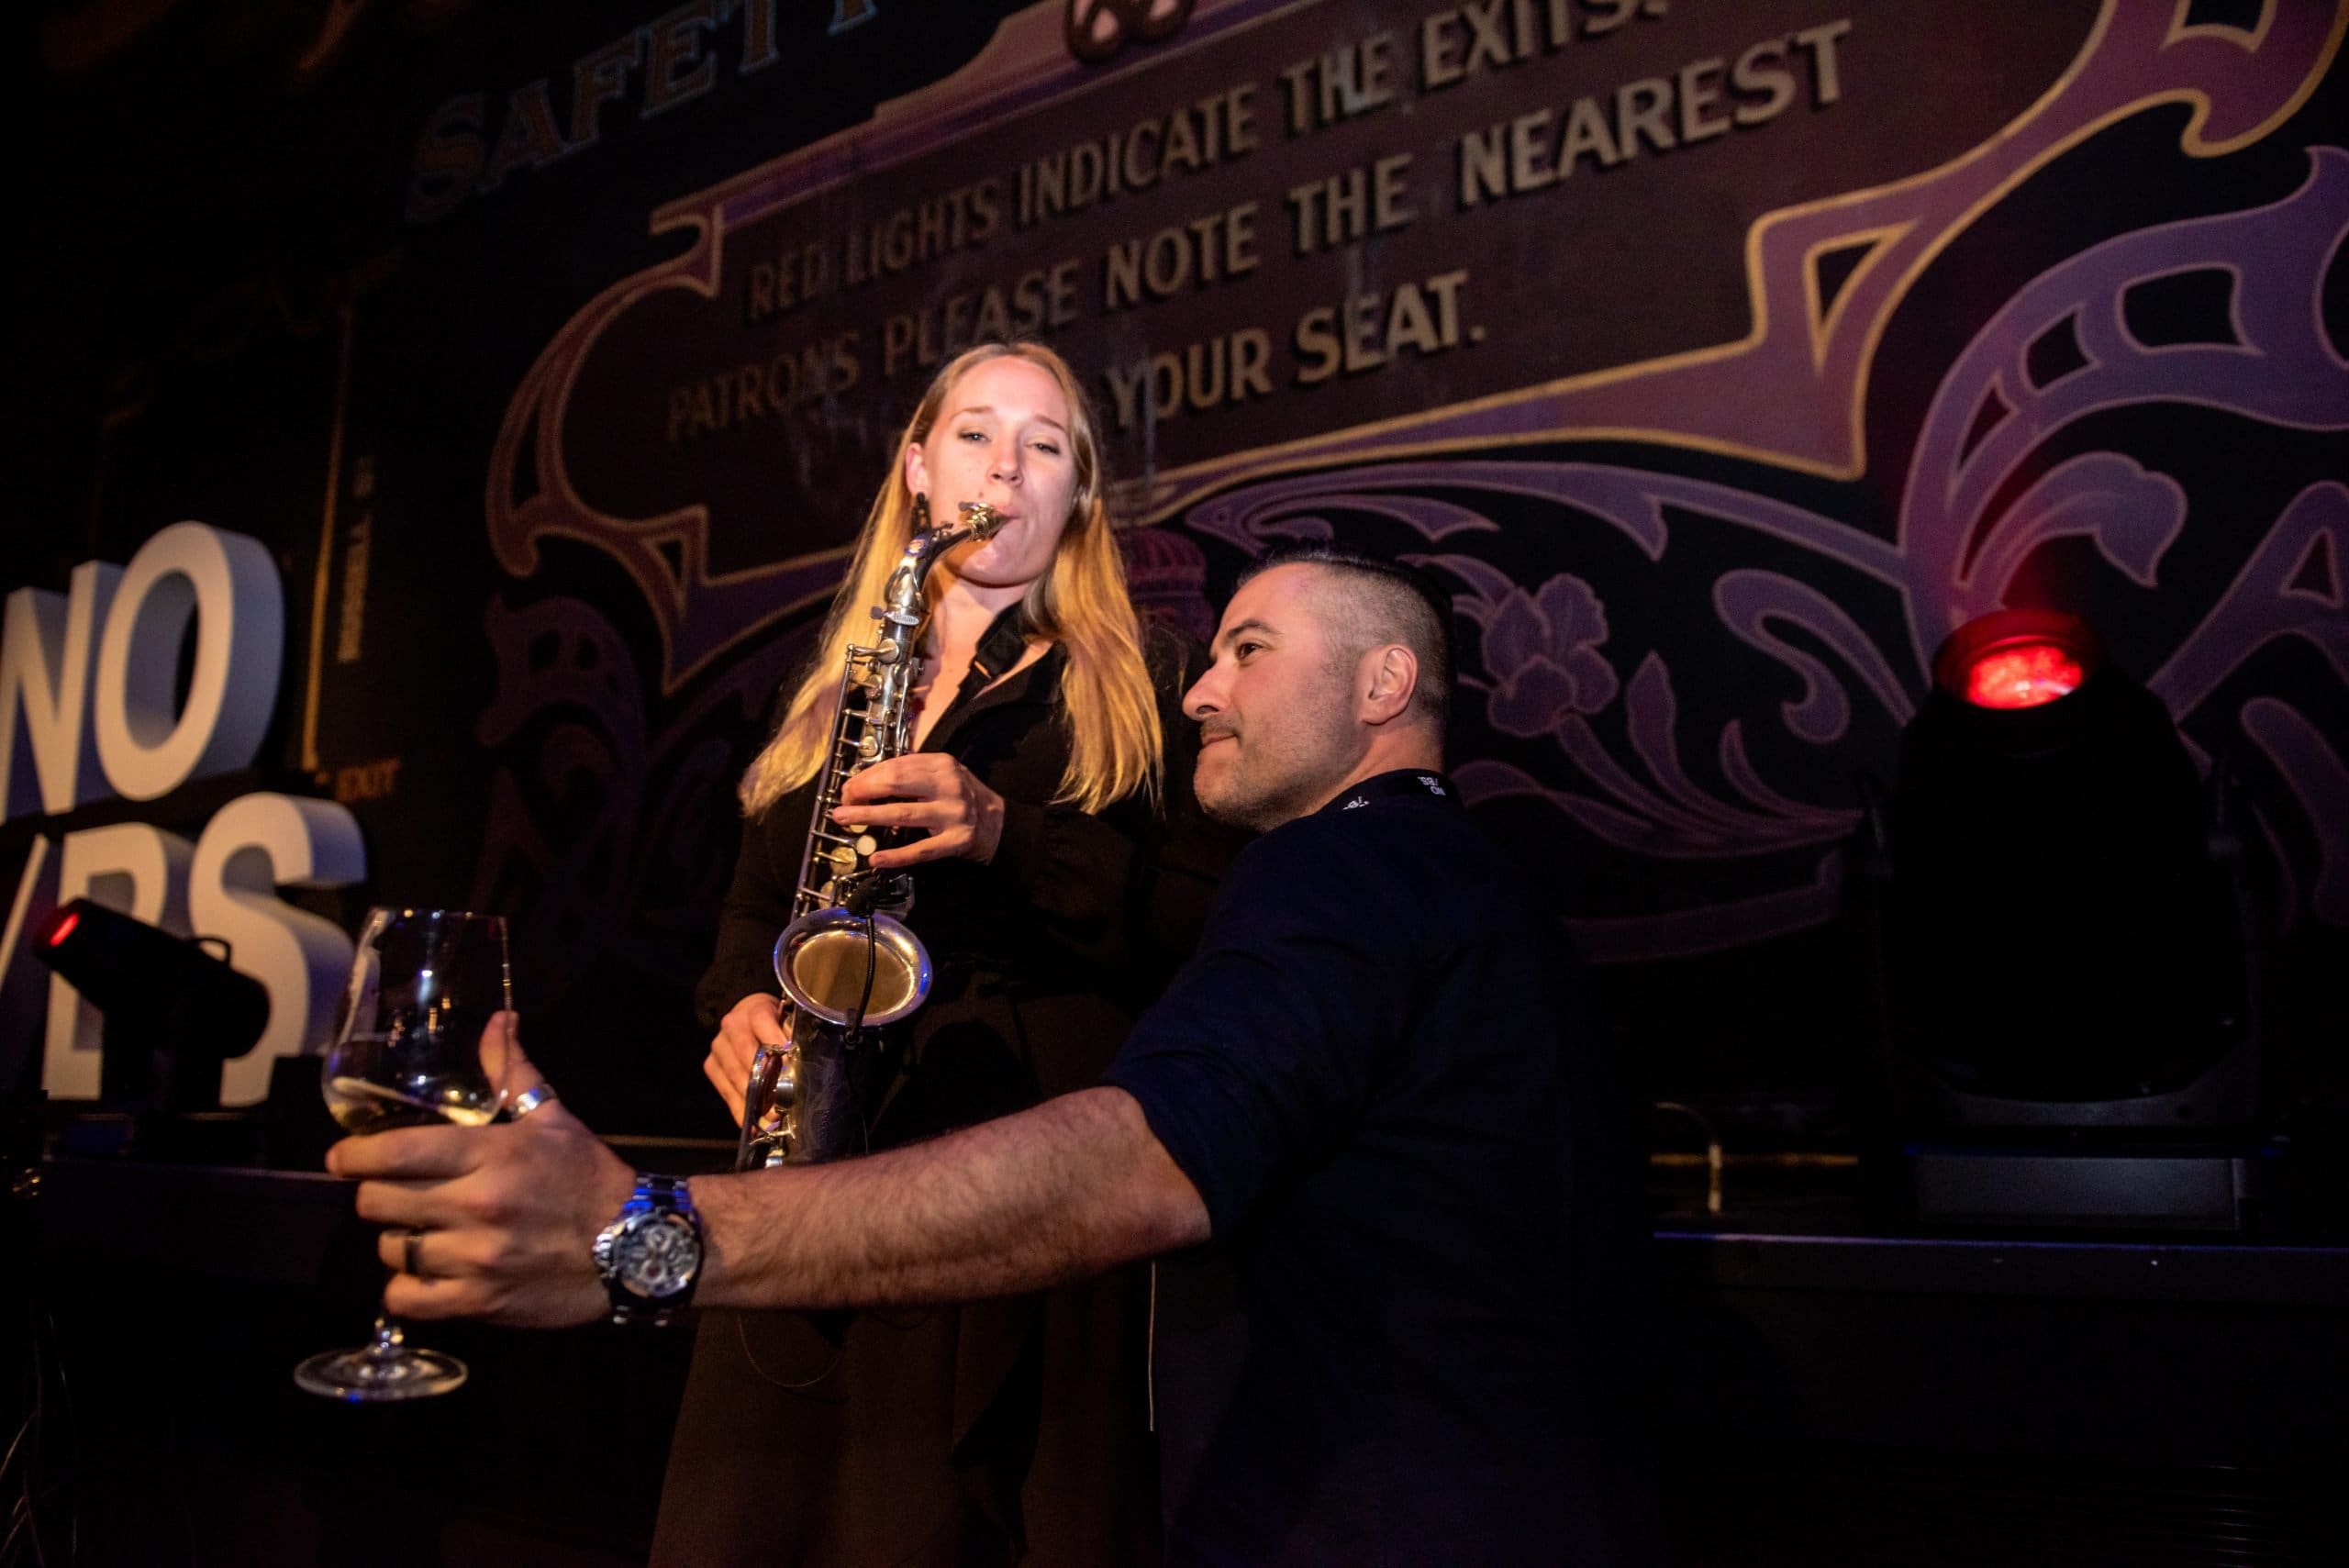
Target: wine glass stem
<point>389,1342</point>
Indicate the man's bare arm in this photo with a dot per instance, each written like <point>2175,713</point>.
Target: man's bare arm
<point>1059,1192</point>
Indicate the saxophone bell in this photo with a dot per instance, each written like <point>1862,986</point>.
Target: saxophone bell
<point>852,971</point>
<point>846,972</point>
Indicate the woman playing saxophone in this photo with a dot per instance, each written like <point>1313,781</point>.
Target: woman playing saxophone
<point>1059,871</point>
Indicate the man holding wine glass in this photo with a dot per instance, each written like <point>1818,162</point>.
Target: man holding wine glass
<point>424,1036</point>
<point>1374,1086</point>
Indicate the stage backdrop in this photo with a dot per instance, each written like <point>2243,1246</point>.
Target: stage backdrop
<point>1720,358</point>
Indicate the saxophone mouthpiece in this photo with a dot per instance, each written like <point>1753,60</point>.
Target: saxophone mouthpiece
<point>981,519</point>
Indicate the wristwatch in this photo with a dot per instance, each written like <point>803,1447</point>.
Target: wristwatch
<point>651,1256</point>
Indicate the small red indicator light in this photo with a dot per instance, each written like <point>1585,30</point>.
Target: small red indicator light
<point>2025,674</point>
<point>64,929</point>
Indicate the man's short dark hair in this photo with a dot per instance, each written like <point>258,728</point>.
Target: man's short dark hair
<point>1380,602</point>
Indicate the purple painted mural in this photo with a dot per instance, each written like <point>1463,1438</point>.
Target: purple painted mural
<point>1719,359</point>
<point>1698,593</point>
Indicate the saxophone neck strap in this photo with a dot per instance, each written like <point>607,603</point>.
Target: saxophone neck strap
<point>1000,647</point>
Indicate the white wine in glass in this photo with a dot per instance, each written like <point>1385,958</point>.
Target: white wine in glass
<point>359,1104</point>
<point>412,1047</point>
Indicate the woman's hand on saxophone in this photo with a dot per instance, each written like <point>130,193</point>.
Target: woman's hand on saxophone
<point>924,792</point>
<point>755,1020</point>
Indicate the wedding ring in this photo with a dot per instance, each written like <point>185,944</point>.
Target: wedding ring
<point>409,1265</point>
<point>529,1100</point>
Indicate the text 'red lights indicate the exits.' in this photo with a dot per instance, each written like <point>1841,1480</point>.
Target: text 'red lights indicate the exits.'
<point>2022,675</point>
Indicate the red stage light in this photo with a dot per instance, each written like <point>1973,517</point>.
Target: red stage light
<point>2023,675</point>
<point>64,929</point>
<point>2018,659</point>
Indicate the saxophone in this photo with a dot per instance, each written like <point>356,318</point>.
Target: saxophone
<point>848,963</point>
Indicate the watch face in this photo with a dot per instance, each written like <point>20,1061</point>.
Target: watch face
<point>658,1257</point>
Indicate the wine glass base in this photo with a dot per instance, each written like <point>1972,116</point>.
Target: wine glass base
<point>370,1377</point>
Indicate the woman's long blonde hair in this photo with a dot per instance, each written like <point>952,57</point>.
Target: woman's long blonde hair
<point>1079,602</point>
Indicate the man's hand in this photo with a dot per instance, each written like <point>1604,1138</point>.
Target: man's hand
<point>508,1213</point>
<point>754,1022</point>
<point>924,792</point>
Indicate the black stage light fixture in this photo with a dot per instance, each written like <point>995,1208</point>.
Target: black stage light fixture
<point>2068,964</point>
<point>174,1012</point>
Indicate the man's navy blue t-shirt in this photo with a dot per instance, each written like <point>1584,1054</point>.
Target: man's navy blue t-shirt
<point>1379,1073</point>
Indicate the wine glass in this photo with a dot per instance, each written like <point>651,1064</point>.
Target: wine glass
<point>411,1048</point>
